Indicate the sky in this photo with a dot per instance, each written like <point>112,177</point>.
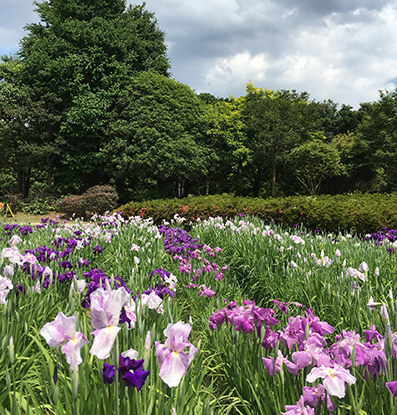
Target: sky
<point>343,50</point>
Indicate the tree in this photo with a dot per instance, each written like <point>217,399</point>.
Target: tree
<point>276,121</point>
<point>379,131</point>
<point>313,162</point>
<point>357,169</point>
<point>327,113</point>
<point>157,137</point>
<point>25,128</point>
<point>84,52</point>
<point>225,132</point>
<point>347,120</point>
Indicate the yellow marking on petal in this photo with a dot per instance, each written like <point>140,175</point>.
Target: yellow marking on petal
<point>332,376</point>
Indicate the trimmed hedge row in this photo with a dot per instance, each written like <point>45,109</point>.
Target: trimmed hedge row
<point>361,213</point>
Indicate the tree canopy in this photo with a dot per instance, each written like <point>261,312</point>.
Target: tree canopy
<point>313,161</point>
<point>275,122</point>
<point>85,53</point>
<point>157,135</point>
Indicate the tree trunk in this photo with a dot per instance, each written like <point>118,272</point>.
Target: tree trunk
<point>49,181</point>
<point>19,180</point>
<point>179,189</point>
<point>26,183</point>
<point>273,177</point>
<point>257,182</point>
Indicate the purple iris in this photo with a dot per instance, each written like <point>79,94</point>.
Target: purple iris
<point>108,373</point>
<point>133,372</point>
<point>97,249</point>
<point>130,370</point>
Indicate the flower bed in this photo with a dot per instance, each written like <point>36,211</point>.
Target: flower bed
<point>234,316</point>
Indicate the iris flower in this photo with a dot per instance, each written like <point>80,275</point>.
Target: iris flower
<point>392,386</point>
<point>172,359</point>
<point>5,287</point>
<point>105,314</point>
<point>299,408</point>
<point>130,370</point>
<point>12,254</point>
<point>62,332</point>
<point>334,379</point>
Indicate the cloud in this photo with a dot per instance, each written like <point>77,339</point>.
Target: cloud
<point>337,49</point>
<point>330,49</point>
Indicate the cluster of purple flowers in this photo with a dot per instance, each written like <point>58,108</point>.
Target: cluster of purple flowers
<point>185,267</point>
<point>246,317</point>
<point>178,242</point>
<point>14,228</point>
<point>160,288</point>
<point>130,370</point>
<point>185,249</point>
<point>23,230</point>
<point>46,255</point>
<point>305,335</point>
<point>384,237</point>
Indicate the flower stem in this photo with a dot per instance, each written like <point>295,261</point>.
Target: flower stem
<point>116,375</point>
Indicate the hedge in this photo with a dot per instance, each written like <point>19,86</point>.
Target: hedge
<point>360,213</point>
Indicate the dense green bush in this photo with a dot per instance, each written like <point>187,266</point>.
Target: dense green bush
<point>97,199</point>
<point>100,199</point>
<point>362,213</point>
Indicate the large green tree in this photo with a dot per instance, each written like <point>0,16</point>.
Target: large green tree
<point>28,128</point>
<point>358,170</point>
<point>84,53</point>
<point>275,122</point>
<point>227,135</point>
<point>314,161</point>
<point>379,131</point>
<point>157,138</point>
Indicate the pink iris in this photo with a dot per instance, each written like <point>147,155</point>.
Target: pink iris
<point>172,359</point>
<point>62,332</point>
<point>105,315</point>
<point>5,287</point>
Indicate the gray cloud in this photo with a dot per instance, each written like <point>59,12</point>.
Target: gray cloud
<point>337,49</point>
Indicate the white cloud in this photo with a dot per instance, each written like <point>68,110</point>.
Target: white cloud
<point>342,50</point>
<point>224,72</point>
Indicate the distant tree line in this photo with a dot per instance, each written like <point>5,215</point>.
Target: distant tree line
<point>89,99</point>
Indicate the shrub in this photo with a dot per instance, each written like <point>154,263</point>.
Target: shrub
<point>362,213</point>
<point>100,199</point>
<point>42,206</point>
<point>97,199</point>
<point>72,204</point>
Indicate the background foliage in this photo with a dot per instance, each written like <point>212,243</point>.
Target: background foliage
<point>88,100</point>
